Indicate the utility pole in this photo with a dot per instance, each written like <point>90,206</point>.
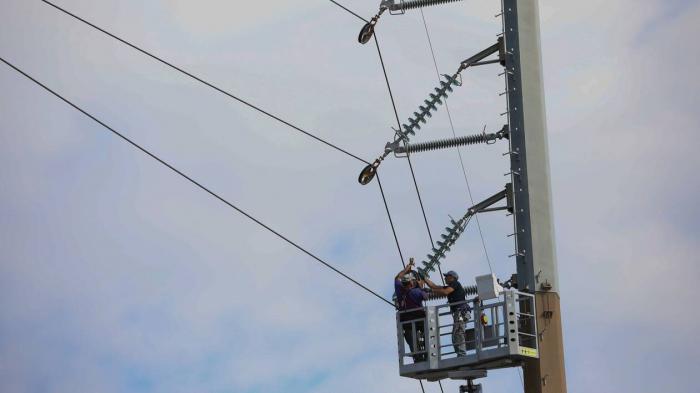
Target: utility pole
<point>535,247</point>
<point>528,197</point>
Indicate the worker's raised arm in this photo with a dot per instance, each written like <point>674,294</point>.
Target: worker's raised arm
<point>405,270</point>
<point>430,283</point>
<point>438,289</point>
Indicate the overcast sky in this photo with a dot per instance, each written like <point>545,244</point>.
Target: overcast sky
<point>116,275</point>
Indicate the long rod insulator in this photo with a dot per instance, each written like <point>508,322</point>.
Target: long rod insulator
<point>411,4</point>
<point>452,233</point>
<point>431,105</point>
<point>455,142</point>
<point>448,240</point>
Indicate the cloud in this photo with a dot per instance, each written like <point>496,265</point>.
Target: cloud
<point>118,276</point>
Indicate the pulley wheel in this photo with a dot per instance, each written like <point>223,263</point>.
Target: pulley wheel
<point>367,175</point>
<point>366,33</point>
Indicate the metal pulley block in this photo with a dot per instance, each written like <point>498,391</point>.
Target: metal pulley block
<point>395,8</point>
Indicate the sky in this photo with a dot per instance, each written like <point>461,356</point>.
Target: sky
<point>117,275</point>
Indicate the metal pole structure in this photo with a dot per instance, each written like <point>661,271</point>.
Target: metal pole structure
<point>535,249</point>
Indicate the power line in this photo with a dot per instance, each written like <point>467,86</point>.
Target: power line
<point>381,189</point>
<point>279,120</point>
<point>410,165</point>
<point>191,180</point>
<point>391,221</point>
<point>454,134</point>
<point>200,80</point>
<point>413,175</point>
<point>520,374</point>
<point>348,10</point>
<point>391,95</point>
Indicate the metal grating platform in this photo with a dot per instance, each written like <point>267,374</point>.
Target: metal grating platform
<point>500,333</point>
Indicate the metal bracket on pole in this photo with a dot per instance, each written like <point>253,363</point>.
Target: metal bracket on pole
<point>477,58</point>
<point>453,233</point>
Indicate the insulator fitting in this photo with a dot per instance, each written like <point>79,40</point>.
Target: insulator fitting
<point>455,142</point>
<point>431,105</point>
<point>448,240</point>
<point>394,7</point>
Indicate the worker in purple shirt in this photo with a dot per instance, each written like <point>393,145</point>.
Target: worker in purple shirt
<point>409,298</point>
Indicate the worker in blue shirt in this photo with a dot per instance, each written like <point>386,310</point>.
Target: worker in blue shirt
<point>409,299</point>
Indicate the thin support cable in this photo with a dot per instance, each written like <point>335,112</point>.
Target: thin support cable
<point>420,200</point>
<point>410,165</point>
<point>391,221</point>
<point>398,247</point>
<point>204,82</point>
<point>425,217</point>
<point>386,78</point>
<point>191,180</point>
<point>398,121</point>
<point>381,188</point>
<point>520,374</point>
<point>454,134</point>
<point>348,10</point>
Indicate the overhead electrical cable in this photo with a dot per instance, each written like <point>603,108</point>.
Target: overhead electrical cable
<point>454,134</point>
<point>520,374</point>
<point>230,95</point>
<point>391,95</point>
<point>391,221</point>
<point>196,183</point>
<point>348,10</point>
<point>398,247</point>
<point>211,85</point>
<point>179,69</point>
<point>393,229</point>
<point>410,165</point>
<point>381,188</point>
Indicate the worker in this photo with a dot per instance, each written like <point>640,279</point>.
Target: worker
<point>409,298</point>
<point>456,298</point>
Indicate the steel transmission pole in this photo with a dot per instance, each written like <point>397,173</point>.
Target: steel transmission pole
<point>535,253</point>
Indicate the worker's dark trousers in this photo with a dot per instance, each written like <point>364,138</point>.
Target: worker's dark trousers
<point>408,334</point>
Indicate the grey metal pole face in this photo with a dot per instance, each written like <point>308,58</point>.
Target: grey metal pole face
<point>535,247</point>
<point>537,265</point>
